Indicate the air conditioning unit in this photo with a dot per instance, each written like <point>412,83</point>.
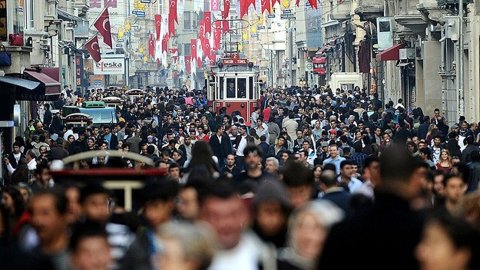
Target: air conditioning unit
<point>385,32</point>
<point>407,53</point>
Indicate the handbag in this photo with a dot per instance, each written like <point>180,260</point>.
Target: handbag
<point>16,39</point>
<point>5,57</point>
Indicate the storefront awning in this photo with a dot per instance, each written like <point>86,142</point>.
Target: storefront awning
<point>51,87</point>
<point>32,85</point>
<point>18,84</point>
<point>391,54</point>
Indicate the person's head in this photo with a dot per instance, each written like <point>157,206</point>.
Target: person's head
<point>94,200</point>
<point>437,140</point>
<point>74,209</point>
<point>401,173</point>
<point>16,148</point>
<point>333,150</point>
<point>26,192</point>
<point>448,243</point>
<point>13,201</point>
<point>299,181</point>
<point>225,211</point>
<point>174,171</point>
<point>308,228</point>
<point>280,141</point>
<point>230,160</point>
<point>272,165</point>
<point>455,188</point>
<point>445,156</point>
<point>89,247</point>
<point>346,169</point>
<point>42,174</point>
<point>186,246</point>
<point>48,210</point>
<point>253,156</point>
<point>371,169</point>
<point>271,208</point>
<point>30,155</point>
<point>158,201</point>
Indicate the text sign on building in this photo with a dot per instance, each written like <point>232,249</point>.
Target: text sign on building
<point>286,14</point>
<point>110,66</point>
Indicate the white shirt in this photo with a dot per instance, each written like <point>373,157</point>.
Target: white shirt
<point>241,146</point>
<point>245,256</point>
<point>32,165</point>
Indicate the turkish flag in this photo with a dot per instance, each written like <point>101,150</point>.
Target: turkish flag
<point>173,10</point>
<point>225,26</point>
<point>297,3</point>
<point>165,43</point>
<point>217,35</point>
<point>193,48</point>
<point>151,46</point>
<point>93,48</point>
<point>226,9</point>
<point>244,5</point>
<point>207,18</point>
<point>313,4</point>
<point>158,25</point>
<point>172,16</point>
<point>188,67</point>
<point>103,26</point>
<point>266,5</point>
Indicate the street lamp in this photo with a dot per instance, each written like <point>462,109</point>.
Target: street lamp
<point>302,82</point>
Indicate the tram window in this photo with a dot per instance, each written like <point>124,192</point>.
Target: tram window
<point>250,88</point>
<point>221,88</point>
<point>242,88</point>
<point>230,87</point>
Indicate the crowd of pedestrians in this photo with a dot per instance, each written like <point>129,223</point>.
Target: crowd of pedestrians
<point>314,178</point>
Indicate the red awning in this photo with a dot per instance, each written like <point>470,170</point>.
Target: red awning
<point>52,87</point>
<point>391,54</point>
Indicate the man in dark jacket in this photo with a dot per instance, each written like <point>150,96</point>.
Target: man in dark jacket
<point>109,137</point>
<point>221,146</point>
<point>385,235</point>
<point>334,193</point>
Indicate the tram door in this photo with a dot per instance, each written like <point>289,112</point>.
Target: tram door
<point>238,92</point>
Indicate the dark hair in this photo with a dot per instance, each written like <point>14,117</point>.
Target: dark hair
<point>297,175</point>
<point>328,178</point>
<point>221,190</point>
<point>370,160</point>
<point>396,164</point>
<point>159,189</point>
<point>92,189</point>
<point>85,230</point>
<point>61,202</point>
<point>18,201</point>
<point>462,235</point>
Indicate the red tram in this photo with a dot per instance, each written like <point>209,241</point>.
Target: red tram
<point>233,84</point>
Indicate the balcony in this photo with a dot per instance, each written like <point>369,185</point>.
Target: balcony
<point>20,59</point>
<point>369,10</point>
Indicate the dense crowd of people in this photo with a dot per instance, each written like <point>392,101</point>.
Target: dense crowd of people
<point>314,178</point>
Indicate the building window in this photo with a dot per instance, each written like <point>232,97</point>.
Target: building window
<point>186,49</point>
<point>29,14</point>
<point>189,20</point>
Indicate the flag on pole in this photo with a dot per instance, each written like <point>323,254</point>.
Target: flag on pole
<point>226,9</point>
<point>93,48</point>
<point>158,25</point>
<point>103,26</point>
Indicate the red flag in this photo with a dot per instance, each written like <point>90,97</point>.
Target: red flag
<point>217,35</point>
<point>297,3</point>
<point>92,47</point>
<point>207,17</point>
<point>225,26</point>
<point>188,67</point>
<point>193,48</point>
<point>165,43</point>
<point>313,4</point>
<point>151,45</point>
<point>172,16</point>
<point>226,9</point>
<point>266,6</point>
<point>244,5</point>
<point>158,25</point>
<point>103,26</point>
